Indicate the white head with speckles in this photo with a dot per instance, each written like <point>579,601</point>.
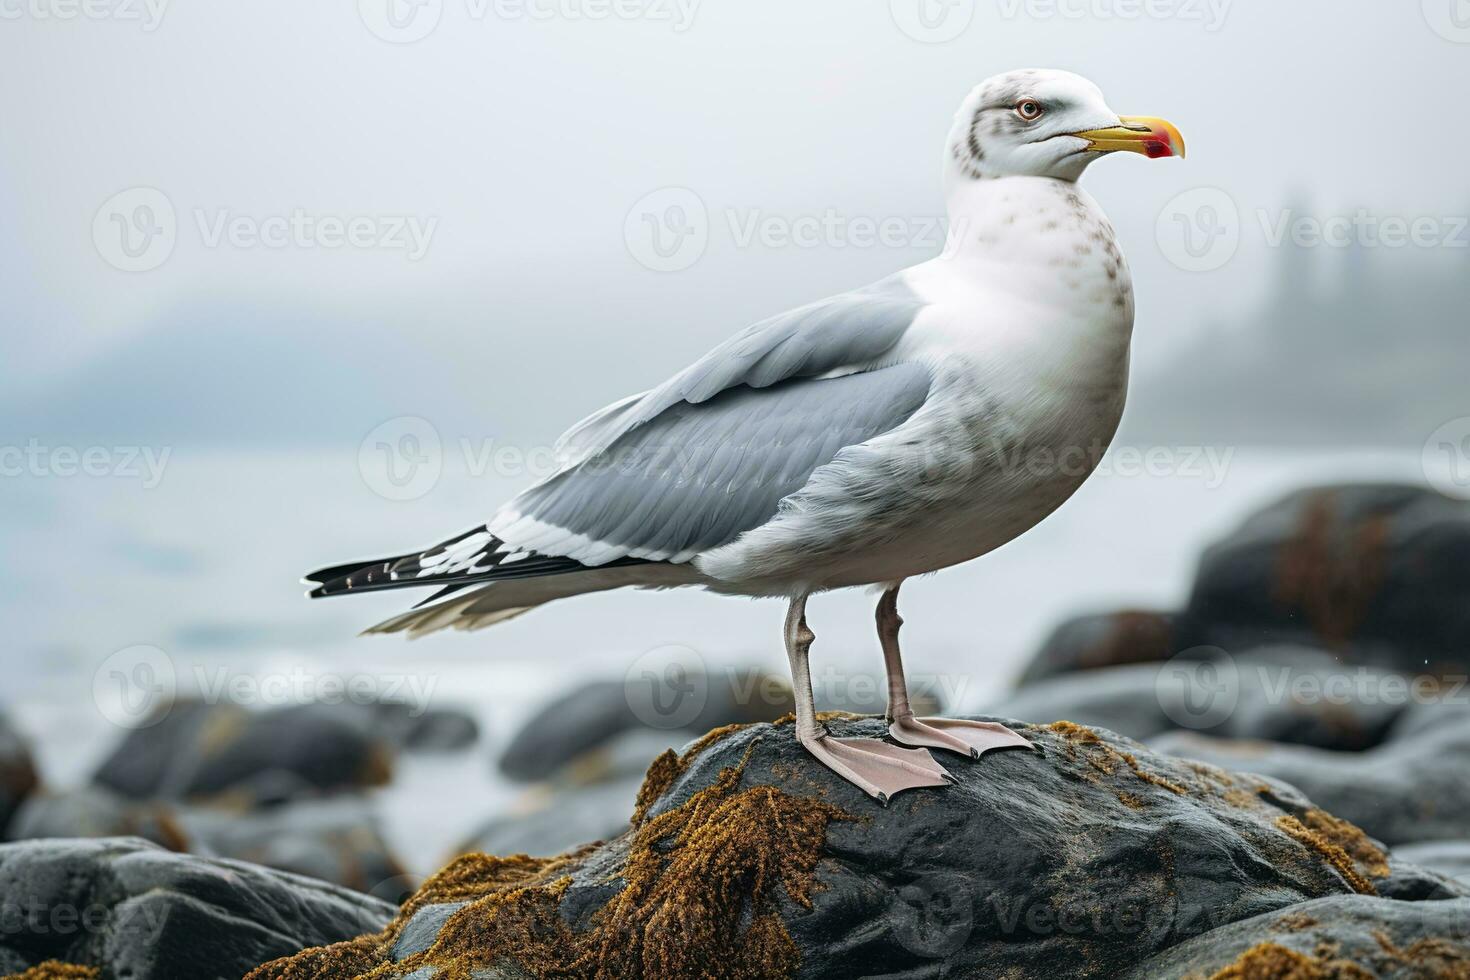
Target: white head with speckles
<point>1040,122</point>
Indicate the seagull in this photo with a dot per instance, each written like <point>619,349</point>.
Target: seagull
<point>857,441</point>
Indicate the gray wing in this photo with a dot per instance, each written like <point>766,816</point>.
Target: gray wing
<point>696,476</point>
<point>848,330</point>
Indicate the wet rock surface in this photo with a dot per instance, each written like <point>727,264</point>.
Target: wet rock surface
<point>1413,788</point>
<point>136,912</point>
<point>747,858</point>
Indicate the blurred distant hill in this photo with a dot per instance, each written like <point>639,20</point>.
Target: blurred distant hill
<point>1353,347</point>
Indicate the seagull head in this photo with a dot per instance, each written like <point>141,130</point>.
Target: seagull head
<point>1045,123</point>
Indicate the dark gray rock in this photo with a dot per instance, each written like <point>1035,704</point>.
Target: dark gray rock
<point>587,718</point>
<point>1410,789</point>
<point>1069,863</point>
<point>1284,694</point>
<point>1112,639</point>
<point>18,777</point>
<point>1081,859</point>
<point>337,839</point>
<point>1343,937</point>
<point>141,913</point>
<point>413,729</point>
<point>208,750</point>
<point>1377,572</point>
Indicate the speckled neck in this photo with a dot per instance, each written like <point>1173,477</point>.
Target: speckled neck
<point>1040,236</point>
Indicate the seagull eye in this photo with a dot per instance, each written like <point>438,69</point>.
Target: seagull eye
<point>1029,109</point>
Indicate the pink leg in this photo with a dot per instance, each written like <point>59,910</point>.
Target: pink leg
<point>971,738</point>
<point>873,766</point>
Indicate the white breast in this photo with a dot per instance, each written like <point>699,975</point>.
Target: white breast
<point>1026,330</point>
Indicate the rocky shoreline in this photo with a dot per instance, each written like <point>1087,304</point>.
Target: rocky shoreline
<point>1269,783</point>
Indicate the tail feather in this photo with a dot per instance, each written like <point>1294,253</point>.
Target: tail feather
<point>503,581</point>
<point>471,558</point>
<point>499,601</point>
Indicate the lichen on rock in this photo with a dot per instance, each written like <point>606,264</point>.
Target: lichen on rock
<point>55,970</point>
<point>697,896</point>
<point>1270,961</point>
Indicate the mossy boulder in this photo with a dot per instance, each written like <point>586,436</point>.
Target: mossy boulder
<point>1340,938</point>
<point>1376,572</point>
<point>747,858</point>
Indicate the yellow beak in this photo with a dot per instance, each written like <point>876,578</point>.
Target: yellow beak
<point>1152,137</point>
